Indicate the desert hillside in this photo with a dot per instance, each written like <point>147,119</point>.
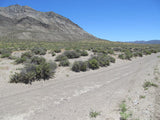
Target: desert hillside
<point>23,22</point>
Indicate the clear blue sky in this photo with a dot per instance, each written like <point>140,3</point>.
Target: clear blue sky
<point>116,20</point>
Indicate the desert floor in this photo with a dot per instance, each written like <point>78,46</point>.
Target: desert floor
<point>72,96</point>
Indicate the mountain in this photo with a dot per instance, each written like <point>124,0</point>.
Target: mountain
<point>23,22</point>
<point>147,42</point>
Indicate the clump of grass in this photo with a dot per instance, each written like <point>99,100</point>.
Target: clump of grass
<point>123,107</point>
<point>124,116</point>
<point>148,84</point>
<point>142,96</point>
<point>94,114</point>
<point>123,111</point>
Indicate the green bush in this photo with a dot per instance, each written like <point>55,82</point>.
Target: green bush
<point>72,54</point>
<point>121,56</point>
<point>64,63</point>
<point>83,66</point>
<point>27,55</point>
<point>76,67</point>
<point>93,64</point>
<point>61,58</point>
<point>53,53</point>
<point>110,51</point>
<point>20,60</point>
<point>79,66</point>
<point>84,53</point>
<point>24,57</point>
<point>37,60</point>
<point>23,77</point>
<point>112,59</point>
<point>147,52</point>
<point>39,50</point>
<point>104,60</point>
<point>32,72</point>
<point>5,53</point>
<point>128,55</point>
<point>57,50</point>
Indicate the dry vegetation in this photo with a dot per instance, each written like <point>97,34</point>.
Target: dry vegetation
<point>36,67</point>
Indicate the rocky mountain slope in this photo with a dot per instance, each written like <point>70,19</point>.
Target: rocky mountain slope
<point>23,22</point>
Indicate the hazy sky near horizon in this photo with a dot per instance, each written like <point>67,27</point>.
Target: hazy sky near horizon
<point>115,20</point>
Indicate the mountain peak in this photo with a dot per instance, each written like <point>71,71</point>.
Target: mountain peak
<point>23,22</point>
<point>18,8</point>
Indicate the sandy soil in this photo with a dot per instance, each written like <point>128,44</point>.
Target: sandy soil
<point>71,96</point>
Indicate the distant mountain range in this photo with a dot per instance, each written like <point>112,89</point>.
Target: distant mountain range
<point>23,22</point>
<point>146,42</point>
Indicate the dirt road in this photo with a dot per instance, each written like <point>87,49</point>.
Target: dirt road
<point>72,97</point>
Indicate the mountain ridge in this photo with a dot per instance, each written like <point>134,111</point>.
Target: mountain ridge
<point>146,42</point>
<point>23,22</point>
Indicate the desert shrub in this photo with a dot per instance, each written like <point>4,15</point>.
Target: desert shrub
<point>39,50</point>
<point>117,49</point>
<point>53,53</point>
<point>112,59</point>
<point>102,60</point>
<point>147,52</point>
<point>121,56</point>
<point>153,51</point>
<point>20,60</point>
<point>27,55</point>
<point>72,54</point>
<point>93,64</point>
<point>24,57</point>
<point>61,58</point>
<point>110,51</point>
<point>84,53</point>
<point>45,71</point>
<point>140,54</point>
<point>94,50</point>
<point>76,67</point>
<point>79,66</point>
<point>137,54</point>
<point>37,60</point>
<point>23,77</point>
<point>57,50</point>
<point>64,63</point>
<point>128,55</point>
<point>83,66</point>
<point>5,53</point>
<point>32,72</point>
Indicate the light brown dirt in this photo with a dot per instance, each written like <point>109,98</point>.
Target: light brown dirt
<point>70,95</point>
